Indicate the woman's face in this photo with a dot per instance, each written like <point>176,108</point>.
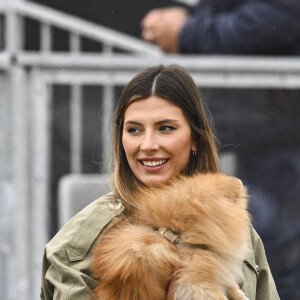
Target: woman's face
<point>156,139</point>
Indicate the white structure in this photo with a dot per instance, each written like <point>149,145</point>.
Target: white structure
<point>26,80</point>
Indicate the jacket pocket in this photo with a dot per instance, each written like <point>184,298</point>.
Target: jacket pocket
<point>252,265</point>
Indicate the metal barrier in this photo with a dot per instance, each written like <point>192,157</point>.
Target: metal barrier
<point>26,85</point>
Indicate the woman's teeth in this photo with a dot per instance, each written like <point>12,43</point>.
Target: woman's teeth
<point>154,163</point>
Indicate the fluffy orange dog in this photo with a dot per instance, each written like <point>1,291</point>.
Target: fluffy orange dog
<point>208,214</point>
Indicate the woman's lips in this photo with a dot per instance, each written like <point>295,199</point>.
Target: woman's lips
<point>153,165</point>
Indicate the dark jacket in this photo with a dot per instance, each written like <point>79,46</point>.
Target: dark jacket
<point>243,27</point>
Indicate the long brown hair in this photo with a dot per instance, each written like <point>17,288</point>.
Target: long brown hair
<point>173,84</point>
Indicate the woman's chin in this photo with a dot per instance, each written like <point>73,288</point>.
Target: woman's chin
<point>152,181</point>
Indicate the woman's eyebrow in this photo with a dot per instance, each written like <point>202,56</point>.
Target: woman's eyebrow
<point>166,121</point>
<point>156,123</point>
<point>132,122</point>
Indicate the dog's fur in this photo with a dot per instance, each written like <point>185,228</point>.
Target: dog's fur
<point>209,214</point>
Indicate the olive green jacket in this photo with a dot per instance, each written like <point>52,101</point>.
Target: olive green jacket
<point>67,259</point>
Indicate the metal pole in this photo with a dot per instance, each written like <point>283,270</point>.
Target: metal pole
<point>13,30</point>
<point>46,38</point>
<point>76,128</point>
<point>40,172</point>
<point>75,43</point>
<point>7,193</point>
<point>21,185</point>
<point>108,107</point>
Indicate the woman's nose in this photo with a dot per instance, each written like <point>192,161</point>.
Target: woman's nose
<point>149,143</point>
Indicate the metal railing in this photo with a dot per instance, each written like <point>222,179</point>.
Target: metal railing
<point>13,9</point>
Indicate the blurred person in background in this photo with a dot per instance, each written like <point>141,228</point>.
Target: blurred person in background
<point>227,27</point>
<point>262,129</point>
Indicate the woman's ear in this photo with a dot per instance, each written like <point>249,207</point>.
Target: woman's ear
<point>194,150</point>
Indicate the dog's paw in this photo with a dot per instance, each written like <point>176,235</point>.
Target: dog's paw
<point>197,292</point>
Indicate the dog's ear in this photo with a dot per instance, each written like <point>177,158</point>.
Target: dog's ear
<point>230,188</point>
<point>239,191</point>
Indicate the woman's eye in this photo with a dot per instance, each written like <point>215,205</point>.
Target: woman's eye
<point>133,130</point>
<point>166,128</point>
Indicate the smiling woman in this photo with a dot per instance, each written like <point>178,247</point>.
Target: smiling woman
<point>156,148</point>
<point>160,112</point>
<point>173,226</point>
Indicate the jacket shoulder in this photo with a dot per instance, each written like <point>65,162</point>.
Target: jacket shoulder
<point>77,236</point>
<point>265,287</point>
